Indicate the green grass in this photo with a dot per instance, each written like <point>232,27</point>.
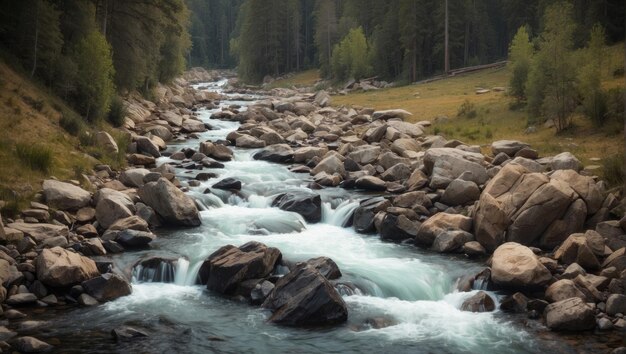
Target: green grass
<point>302,79</point>
<point>482,119</point>
<point>37,157</point>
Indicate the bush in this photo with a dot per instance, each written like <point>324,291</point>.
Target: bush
<point>117,112</point>
<point>467,109</point>
<point>71,123</point>
<point>37,157</point>
<point>614,170</point>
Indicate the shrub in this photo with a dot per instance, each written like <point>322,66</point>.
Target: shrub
<point>71,123</point>
<point>117,112</point>
<point>467,109</point>
<point>614,169</point>
<point>37,157</point>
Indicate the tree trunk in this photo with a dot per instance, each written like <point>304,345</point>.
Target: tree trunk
<point>32,73</point>
<point>446,52</point>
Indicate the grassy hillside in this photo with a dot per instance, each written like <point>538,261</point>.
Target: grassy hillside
<point>33,146</point>
<point>493,118</point>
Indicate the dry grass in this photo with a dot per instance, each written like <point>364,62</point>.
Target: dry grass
<point>494,119</point>
<point>302,79</point>
<point>30,117</point>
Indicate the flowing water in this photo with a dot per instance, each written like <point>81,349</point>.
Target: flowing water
<point>411,290</point>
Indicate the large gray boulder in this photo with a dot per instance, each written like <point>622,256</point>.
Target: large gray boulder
<point>65,196</point>
<point>57,267</point>
<point>106,141</point>
<point>170,203</point>
<point>133,177</point>
<point>516,266</point>
<point>304,297</point>
<point>107,287</point>
<point>509,147</point>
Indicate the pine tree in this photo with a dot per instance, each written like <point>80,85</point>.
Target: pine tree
<point>520,56</point>
<point>325,33</point>
<point>589,77</point>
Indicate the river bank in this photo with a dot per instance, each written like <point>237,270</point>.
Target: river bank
<point>401,189</point>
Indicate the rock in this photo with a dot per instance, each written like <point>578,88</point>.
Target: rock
<point>509,147</point>
<point>474,249</point>
<point>280,153</point>
<point>563,289</point>
<point>480,302</point>
<point>31,345</point>
<point>326,266</point>
<point>305,154</point>
<point>570,315</point>
<point>363,220</point>
<point>170,203</point>
<point>616,303</point>
<point>130,223</point>
<point>590,191</point>
<point>23,299</point>
<point>111,206</point>
<point>134,177</point>
<point>107,287</point>
<point>604,324</point>
<point>309,205</point>
<point>446,164</point>
<point>65,196</point>
<point>217,151</point>
<point>451,241</point>
<point>87,300</point>
<point>146,146</point>
<point>228,184</point>
<point>397,172</point>
<point>460,192</point>
<point>127,333</point>
<point>305,298</point>
<point>250,142</point>
<point>6,334</point>
<point>106,141</point>
<point>322,98</point>
<point>565,161</point>
<point>576,250</point>
<point>139,159</point>
<point>516,303</point>
<point>516,266</point>
<point>439,223</point>
<point>371,183</point>
<point>331,164</point>
<point>134,238</point>
<point>397,228</point>
<point>260,292</point>
<point>40,232</point>
<point>365,154</point>
<point>391,113</point>
<point>85,214</point>
<point>57,267</point>
<point>229,266</point>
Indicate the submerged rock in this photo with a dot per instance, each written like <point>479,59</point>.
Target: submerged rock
<point>304,297</point>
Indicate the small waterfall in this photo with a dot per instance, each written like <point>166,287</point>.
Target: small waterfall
<point>340,216</point>
<point>159,270</point>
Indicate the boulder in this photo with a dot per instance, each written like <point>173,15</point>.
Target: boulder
<point>326,266</point>
<point>280,153</point>
<point>106,142</point>
<point>111,206</point>
<point>391,113</point>
<point>397,172</point>
<point>460,192</point>
<point>576,250</point>
<point>304,154</point>
<point>228,183</point>
<point>170,203</point>
<point>134,177</point>
<point>572,314</point>
<point>193,126</point>
<point>563,289</point>
<point>217,151</point>
<point>452,241</point>
<point>439,223</point>
<point>397,228</point>
<point>516,266</point>
<point>39,232</point>
<point>250,142</point>
<point>371,183</point>
<point>147,147</point>
<point>229,265</point>
<point>31,345</point>
<point>565,161</point>
<point>509,147</point>
<point>363,220</point>
<point>447,164</point>
<point>331,165</point>
<point>134,238</point>
<point>65,196</point>
<point>364,155</point>
<point>616,303</point>
<point>479,302</point>
<point>57,267</point>
<point>309,205</point>
<point>304,297</point>
<point>125,333</point>
<point>107,287</point>
<point>139,159</point>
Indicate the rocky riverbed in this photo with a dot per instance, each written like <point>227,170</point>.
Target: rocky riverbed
<point>534,236</point>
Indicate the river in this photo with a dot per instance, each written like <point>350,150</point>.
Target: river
<point>411,289</point>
